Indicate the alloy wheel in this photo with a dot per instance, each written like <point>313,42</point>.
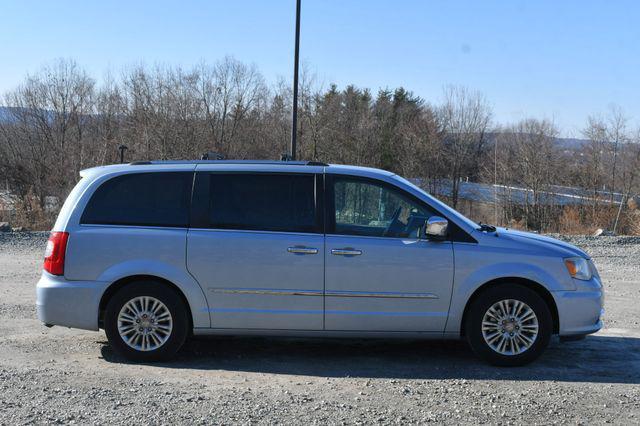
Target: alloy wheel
<point>510,327</point>
<point>145,323</point>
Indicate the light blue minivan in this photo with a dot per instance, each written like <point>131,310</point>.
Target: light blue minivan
<point>155,252</point>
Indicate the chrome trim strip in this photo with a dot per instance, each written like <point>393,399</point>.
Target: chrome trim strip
<point>381,294</point>
<point>274,292</point>
<point>331,293</point>
<point>320,311</point>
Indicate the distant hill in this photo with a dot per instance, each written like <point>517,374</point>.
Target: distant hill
<point>571,143</point>
<point>5,114</point>
<point>562,143</point>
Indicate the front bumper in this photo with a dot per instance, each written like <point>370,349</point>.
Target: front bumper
<point>72,304</point>
<point>580,312</point>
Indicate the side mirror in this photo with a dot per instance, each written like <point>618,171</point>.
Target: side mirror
<point>436,228</point>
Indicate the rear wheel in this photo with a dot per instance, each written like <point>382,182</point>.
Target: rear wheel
<point>508,325</point>
<point>146,321</point>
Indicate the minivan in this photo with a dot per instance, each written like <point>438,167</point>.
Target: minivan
<point>157,252</point>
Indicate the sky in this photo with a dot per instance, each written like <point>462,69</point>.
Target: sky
<point>559,60</point>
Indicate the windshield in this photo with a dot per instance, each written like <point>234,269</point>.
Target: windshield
<point>439,204</point>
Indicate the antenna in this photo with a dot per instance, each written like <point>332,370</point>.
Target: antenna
<point>122,149</point>
<point>212,156</point>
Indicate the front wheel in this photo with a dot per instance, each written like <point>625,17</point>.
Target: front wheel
<point>509,325</point>
<point>146,321</point>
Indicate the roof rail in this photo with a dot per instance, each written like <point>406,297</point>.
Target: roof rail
<point>267,162</point>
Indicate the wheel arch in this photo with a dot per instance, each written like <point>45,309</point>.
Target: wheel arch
<point>122,282</point>
<point>533,285</point>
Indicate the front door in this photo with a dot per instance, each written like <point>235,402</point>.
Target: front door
<point>379,275</point>
<point>256,247</point>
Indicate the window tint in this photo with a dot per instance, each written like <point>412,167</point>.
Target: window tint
<point>263,202</point>
<point>371,209</point>
<point>146,199</point>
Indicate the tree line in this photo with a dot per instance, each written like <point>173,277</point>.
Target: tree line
<point>60,121</point>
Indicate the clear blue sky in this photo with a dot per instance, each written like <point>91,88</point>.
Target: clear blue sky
<point>554,59</point>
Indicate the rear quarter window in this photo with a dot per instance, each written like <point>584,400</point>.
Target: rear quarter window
<point>263,202</point>
<point>142,199</point>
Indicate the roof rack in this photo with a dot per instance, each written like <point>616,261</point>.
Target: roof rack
<point>266,162</point>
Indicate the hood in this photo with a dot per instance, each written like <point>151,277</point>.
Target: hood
<point>564,249</point>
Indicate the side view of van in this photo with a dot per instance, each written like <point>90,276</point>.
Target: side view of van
<point>155,252</point>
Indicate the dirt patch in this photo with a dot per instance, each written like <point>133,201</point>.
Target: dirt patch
<point>60,375</point>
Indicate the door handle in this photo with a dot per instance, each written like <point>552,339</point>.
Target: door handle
<point>346,252</point>
<point>302,250</point>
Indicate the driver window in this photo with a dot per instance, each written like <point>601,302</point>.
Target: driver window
<point>369,209</point>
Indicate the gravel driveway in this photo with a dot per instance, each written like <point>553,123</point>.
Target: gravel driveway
<point>60,375</point>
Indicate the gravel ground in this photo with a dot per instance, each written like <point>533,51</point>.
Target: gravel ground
<point>60,375</point>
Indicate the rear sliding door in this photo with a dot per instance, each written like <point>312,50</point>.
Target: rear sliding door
<point>256,246</point>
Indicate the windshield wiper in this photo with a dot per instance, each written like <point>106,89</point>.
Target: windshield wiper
<point>486,228</point>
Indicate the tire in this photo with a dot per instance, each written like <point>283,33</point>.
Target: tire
<point>516,345</point>
<point>164,328</point>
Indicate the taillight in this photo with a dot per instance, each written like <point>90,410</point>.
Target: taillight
<point>54,254</point>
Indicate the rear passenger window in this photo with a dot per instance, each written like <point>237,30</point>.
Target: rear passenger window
<point>266,202</point>
<point>143,199</point>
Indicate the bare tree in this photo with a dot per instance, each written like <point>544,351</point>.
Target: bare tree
<point>59,121</point>
<point>465,118</point>
<point>617,138</point>
<point>46,133</point>
<point>529,159</point>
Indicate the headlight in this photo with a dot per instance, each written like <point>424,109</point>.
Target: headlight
<point>578,268</point>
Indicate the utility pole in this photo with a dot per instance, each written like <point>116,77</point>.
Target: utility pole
<point>294,115</point>
<point>495,181</point>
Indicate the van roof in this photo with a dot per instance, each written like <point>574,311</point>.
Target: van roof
<point>227,165</point>
<point>280,163</point>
